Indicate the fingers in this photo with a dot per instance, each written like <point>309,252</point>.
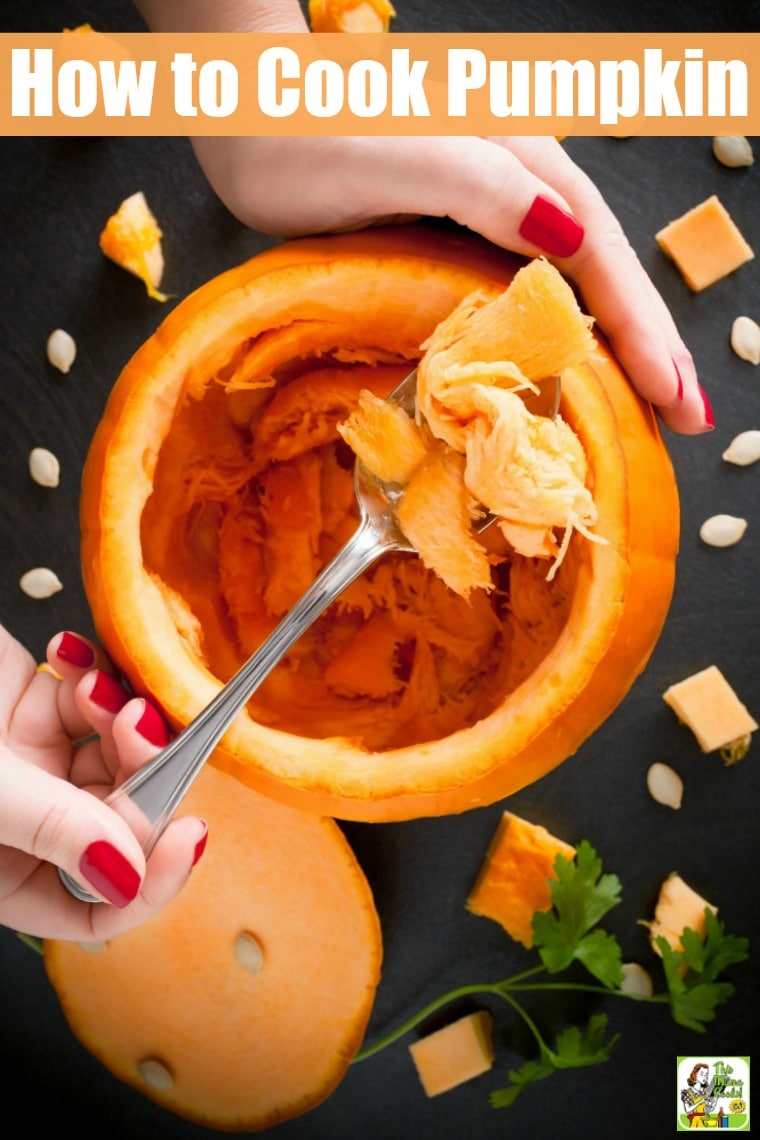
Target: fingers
<point>525,194</point>
<point>43,812</point>
<point>178,850</point>
<point>41,906</point>
<point>70,656</point>
<point>48,818</point>
<point>621,295</point>
<point>90,701</point>
<point>47,822</point>
<point>130,732</point>
<point>354,181</point>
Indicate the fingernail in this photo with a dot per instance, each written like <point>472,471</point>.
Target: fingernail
<point>107,693</point>
<point>200,846</point>
<point>75,650</point>
<point>110,873</point>
<point>709,414</point>
<point>679,393</point>
<point>551,228</point>
<point>151,726</point>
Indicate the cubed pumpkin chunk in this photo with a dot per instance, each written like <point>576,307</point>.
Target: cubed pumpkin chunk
<point>350,15</point>
<point>454,1054</point>
<point>706,702</point>
<point>705,243</point>
<point>514,880</point>
<point>678,906</point>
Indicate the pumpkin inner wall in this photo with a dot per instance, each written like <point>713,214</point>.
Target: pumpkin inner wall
<point>253,494</point>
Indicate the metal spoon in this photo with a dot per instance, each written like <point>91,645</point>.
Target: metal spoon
<point>150,797</point>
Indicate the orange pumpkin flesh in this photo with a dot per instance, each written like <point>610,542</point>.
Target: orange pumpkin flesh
<point>530,678</point>
<point>248,996</point>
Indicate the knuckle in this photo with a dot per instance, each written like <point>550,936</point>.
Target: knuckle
<point>49,837</point>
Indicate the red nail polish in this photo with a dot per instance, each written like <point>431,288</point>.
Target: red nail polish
<point>200,846</point>
<point>709,414</point>
<point>107,693</point>
<point>75,650</point>
<point>679,393</point>
<point>151,726</point>
<point>551,228</point>
<point>110,873</point>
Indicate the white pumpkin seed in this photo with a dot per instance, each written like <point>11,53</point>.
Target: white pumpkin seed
<point>44,467</point>
<point>40,582</point>
<point>61,349</point>
<point>155,1073</point>
<point>94,947</point>
<point>722,530</point>
<point>636,980</point>
<point>732,150</point>
<point>743,449</point>
<point>745,339</point>
<point>248,952</point>
<point>665,785</point>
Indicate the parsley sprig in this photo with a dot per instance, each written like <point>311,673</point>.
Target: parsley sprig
<point>569,933</point>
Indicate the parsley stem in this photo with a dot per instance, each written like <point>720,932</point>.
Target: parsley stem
<point>30,940</point>
<point>433,1006</point>
<point>426,1011</point>
<point>584,988</point>
<point>526,1018</point>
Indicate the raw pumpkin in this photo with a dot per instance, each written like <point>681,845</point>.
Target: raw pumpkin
<point>350,15</point>
<point>678,906</point>
<point>242,1003</point>
<point>194,545</point>
<point>482,448</point>
<point>131,237</point>
<point>454,1054</point>
<point>513,882</point>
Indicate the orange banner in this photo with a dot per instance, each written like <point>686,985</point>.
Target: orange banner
<point>387,84</point>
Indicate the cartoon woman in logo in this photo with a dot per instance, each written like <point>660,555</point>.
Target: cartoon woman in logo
<point>698,1099</point>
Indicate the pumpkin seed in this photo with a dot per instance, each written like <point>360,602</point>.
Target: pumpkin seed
<point>248,952</point>
<point>636,980</point>
<point>665,785</point>
<point>94,947</point>
<point>40,582</point>
<point>155,1073</point>
<point>732,150</point>
<point>44,467</point>
<point>743,449</point>
<point>745,339</point>
<point>61,350</point>
<point>722,530</point>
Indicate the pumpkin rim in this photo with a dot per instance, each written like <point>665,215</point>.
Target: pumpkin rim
<point>333,773</point>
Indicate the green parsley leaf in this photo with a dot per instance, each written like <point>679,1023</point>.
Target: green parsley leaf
<point>578,1047</point>
<point>691,973</point>
<point>581,896</point>
<point>574,1048</point>
<point>527,1073</point>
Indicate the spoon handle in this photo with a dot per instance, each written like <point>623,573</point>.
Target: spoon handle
<point>149,798</point>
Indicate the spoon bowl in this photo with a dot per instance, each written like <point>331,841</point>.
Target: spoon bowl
<point>149,798</point>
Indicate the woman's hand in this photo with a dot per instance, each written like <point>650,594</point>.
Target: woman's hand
<point>525,194</point>
<point>64,745</point>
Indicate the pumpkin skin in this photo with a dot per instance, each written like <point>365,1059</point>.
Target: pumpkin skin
<point>388,288</point>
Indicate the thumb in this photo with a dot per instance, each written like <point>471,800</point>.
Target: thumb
<point>53,821</point>
<point>354,181</point>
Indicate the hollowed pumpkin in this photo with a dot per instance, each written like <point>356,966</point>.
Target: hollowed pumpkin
<point>216,486</point>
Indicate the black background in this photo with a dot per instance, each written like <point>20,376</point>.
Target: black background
<point>55,195</point>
